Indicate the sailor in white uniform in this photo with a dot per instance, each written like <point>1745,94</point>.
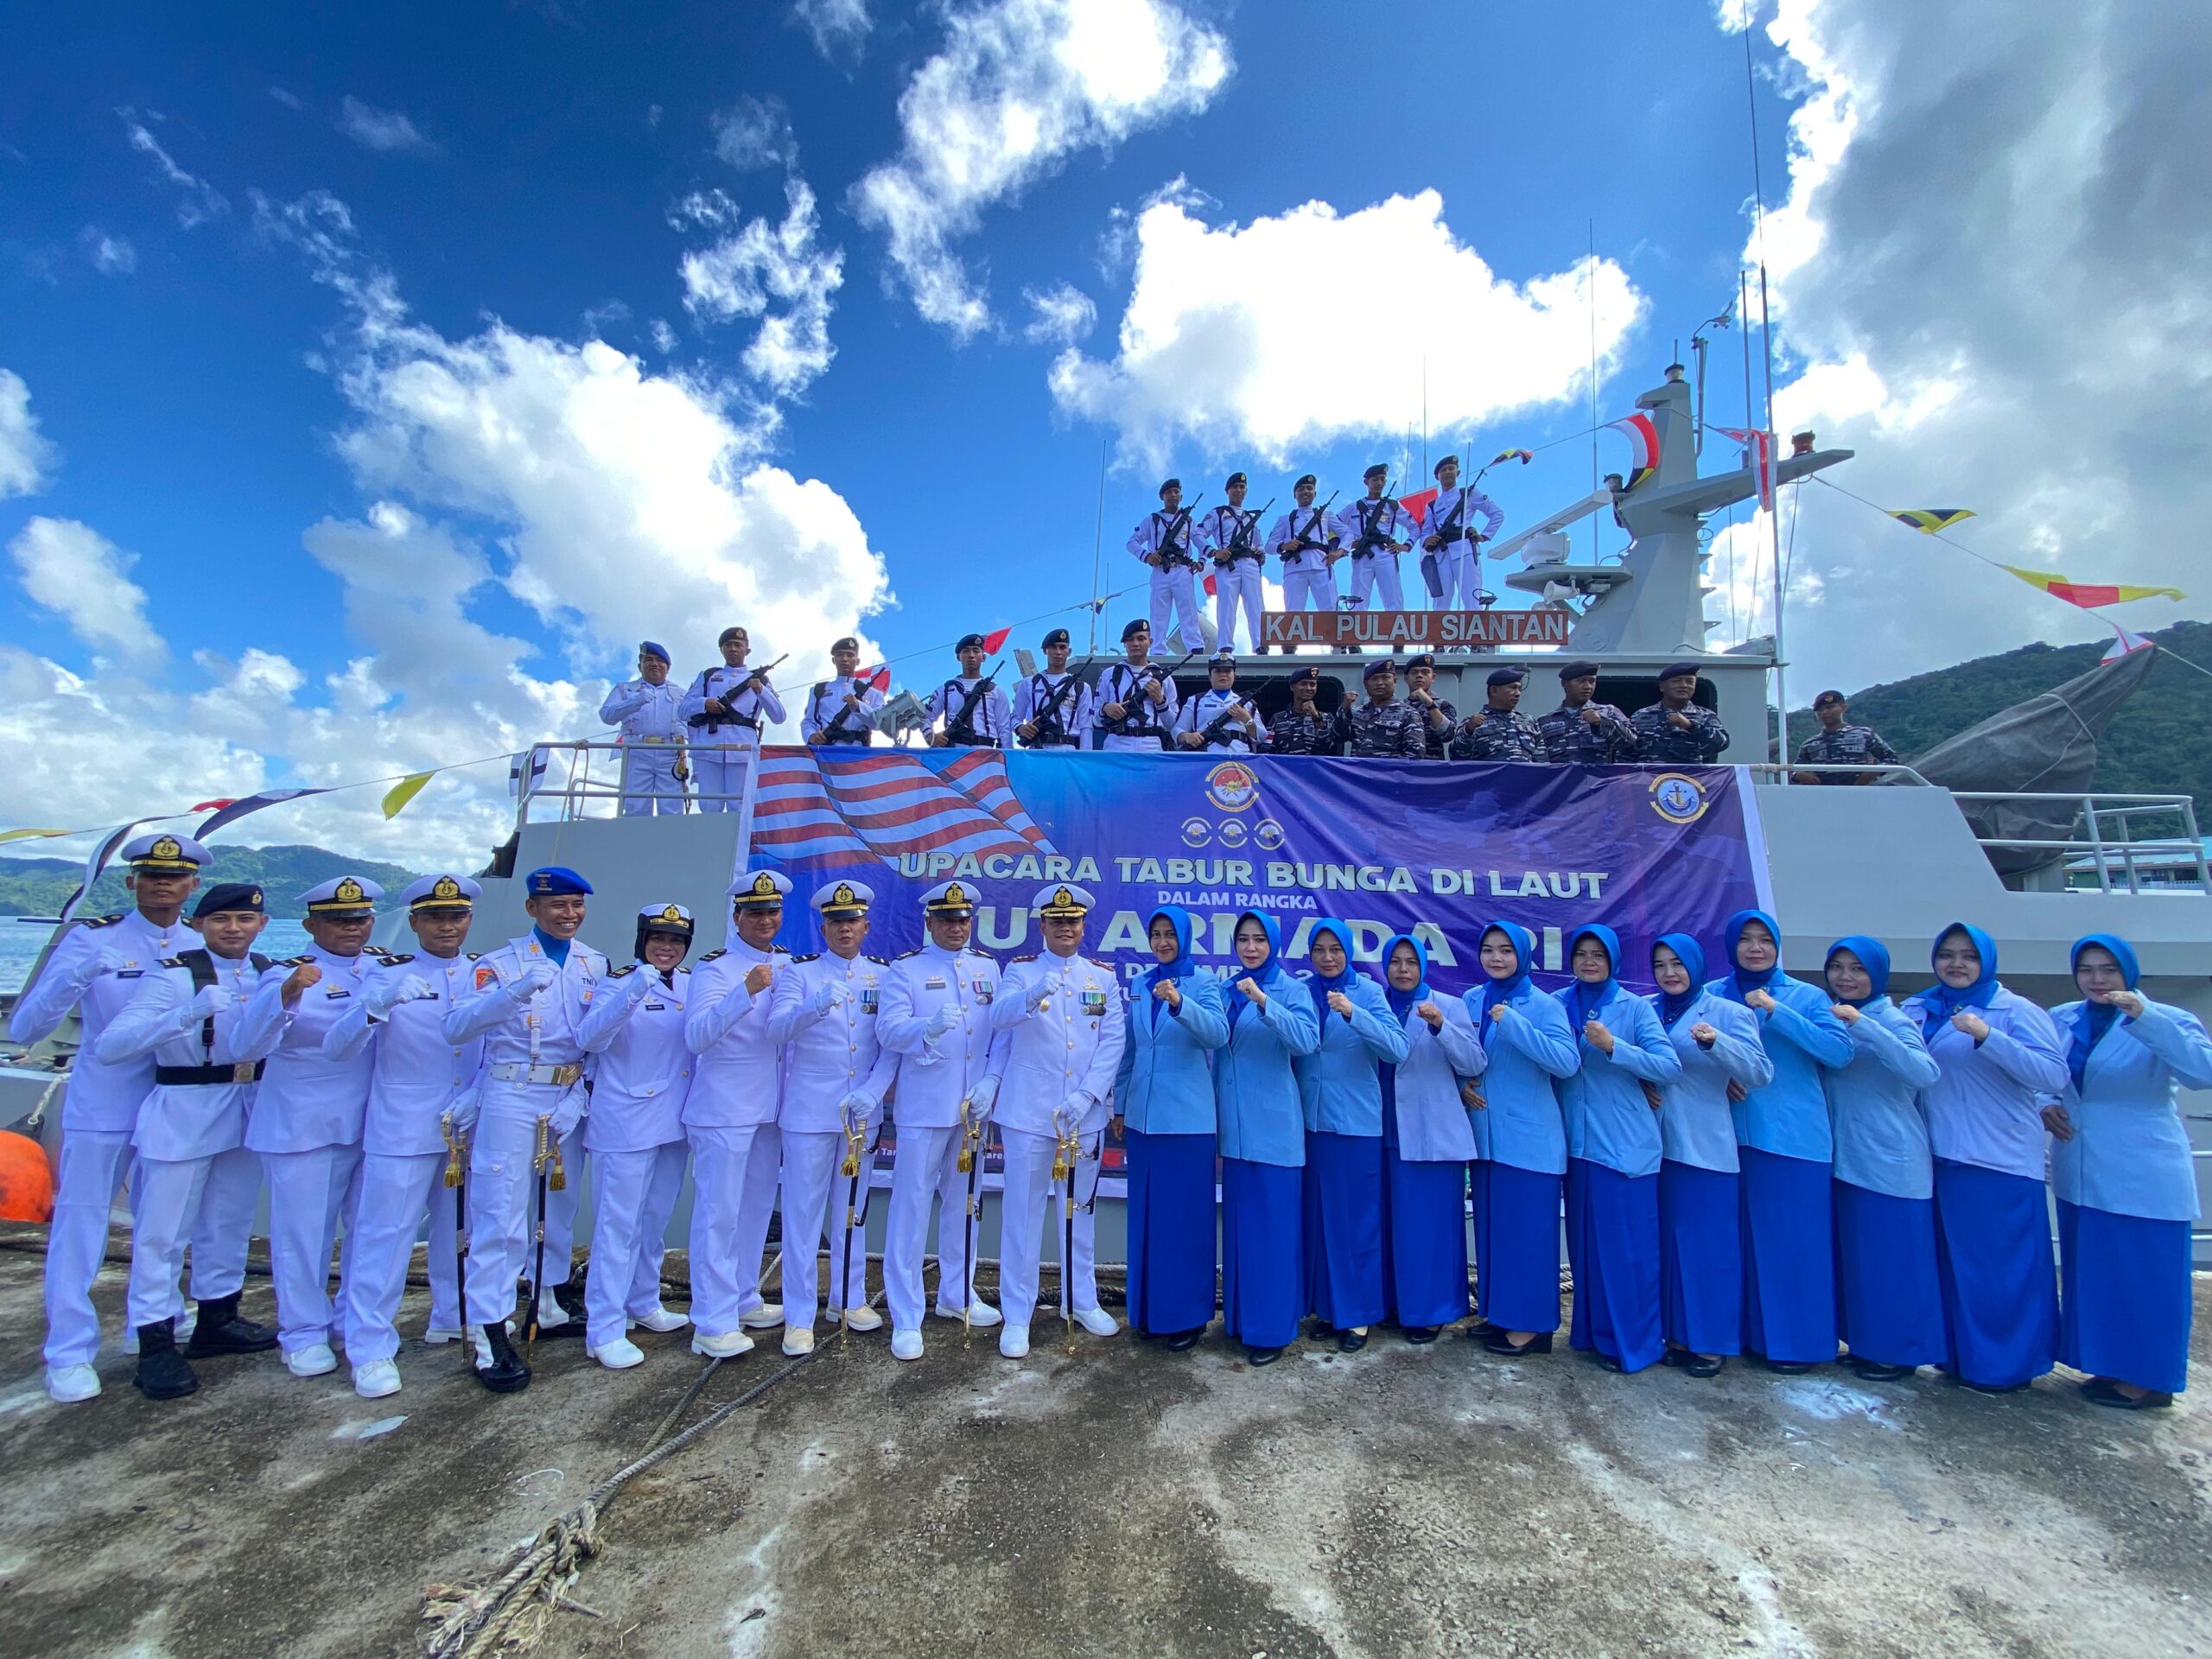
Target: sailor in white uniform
<point>1230,537</point>
<point>1059,1034</point>
<point>973,707</point>
<point>194,1176</point>
<point>1163,542</point>
<point>1303,539</point>
<point>422,1106</point>
<point>1135,697</point>
<point>649,711</point>
<point>841,710</point>
<point>1048,712</point>
<point>309,1112</point>
<point>934,1016</point>
<point>730,1117</point>
<point>96,968</point>
<point>730,705</point>
<point>1374,529</point>
<point>1238,721</point>
<point>528,1003</point>
<point>1452,538</point>
<point>635,1134</point>
<point>824,1016</point>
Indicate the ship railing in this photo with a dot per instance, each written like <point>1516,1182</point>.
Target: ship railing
<point>583,779</point>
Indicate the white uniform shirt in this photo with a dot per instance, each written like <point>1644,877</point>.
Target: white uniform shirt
<point>825,707</point>
<point>1061,1057</point>
<point>99,1096</point>
<point>543,1031</point>
<point>936,1073</point>
<point>757,702</point>
<point>645,713</point>
<point>1199,713</point>
<point>181,1120</point>
<point>307,1100</point>
<point>1315,525</point>
<point>988,714</point>
<point>1391,520</point>
<point>1122,683</point>
<point>1479,507</point>
<point>1151,536</point>
<point>739,1074</point>
<point>829,1046</point>
<point>643,1073</point>
<point>1220,527</point>
<point>1073,714</point>
<point>417,1072</point>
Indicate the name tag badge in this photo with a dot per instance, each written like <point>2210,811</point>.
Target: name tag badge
<point>655,1007</point>
<point>934,983</point>
<point>337,994</point>
<point>130,972</point>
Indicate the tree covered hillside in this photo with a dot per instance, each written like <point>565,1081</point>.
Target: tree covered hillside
<point>39,886</point>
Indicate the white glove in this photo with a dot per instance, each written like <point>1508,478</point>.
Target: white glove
<point>834,995</point>
<point>940,1022</point>
<point>90,968</point>
<point>568,1114</point>
<point>983,1097</point>
<point>855,1107</point>
<point>463,1111</point>
<point>644,984</point>
<point>208,1001</point>
<point>414,989</point>
<point>387,994</point>
<point>1041,996</point>
<point>534,979</point>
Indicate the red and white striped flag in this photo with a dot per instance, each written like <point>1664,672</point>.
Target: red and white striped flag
<point>1760,446</point>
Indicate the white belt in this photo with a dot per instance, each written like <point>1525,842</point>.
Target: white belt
<point>557,1076</point>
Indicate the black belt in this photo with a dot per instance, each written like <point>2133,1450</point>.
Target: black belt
<point>175,1076</point>
<point>1056,743</point>
<point>974,742</point>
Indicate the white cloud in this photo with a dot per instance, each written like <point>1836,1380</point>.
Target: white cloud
<point>112,256</point>
<point>25,452</point>
<point>198,201</point>
<point>82,577</point>
<point>1019,85</point>
<point>391,132</point>
<point>289,100</point>
<point>756,264</point>
<point>833,24</point>
<point>1265,336</point>
<point>754,133</point>
<point>1061,314</point>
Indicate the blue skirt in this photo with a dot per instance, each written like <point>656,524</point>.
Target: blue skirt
<point>1891,1297</point>
<point>1517,1246</point>
<point>1701,1259</point>
<point>1789,1257</point>
<point>1992,1251</point>
<point>2124,1298</point>
<point>1263,1276</point>
<point>1171,1219</point>
<point>1612,1241</point>
<point>1344,1228</point>
<point>1424,1240</point>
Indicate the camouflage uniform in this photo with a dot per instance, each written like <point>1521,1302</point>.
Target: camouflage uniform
<point>1292,733</point>
<point>1570,739</point>
<point>1499,734</point>
<point>1844,747</point>
<point>1385,731</point>
<point>1438,745</point>
<point>1660,741</point>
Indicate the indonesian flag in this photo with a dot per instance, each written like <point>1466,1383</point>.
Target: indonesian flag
<point>2089,594</point>
<point>1643,435</point>
<point>1761,457</point>
<point>995,641</point>
<point>1211,585</point>
<point>1418,505</point>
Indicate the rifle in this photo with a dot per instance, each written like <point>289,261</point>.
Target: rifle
<point>1369,543</point>
<point>1050,711</point>
<point>1240,539</point>
<point>835,731</point>
<point>1303,540</point>
<point>1216,729</point>
<point>961,729</point>
<point>714,722</point>
<point>1176,527</point>
<point>1150,674</point>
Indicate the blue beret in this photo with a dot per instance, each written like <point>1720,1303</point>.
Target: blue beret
<point>1675,670</point>
<point>1234,478</point>
<point>552,880</point>
<point>651,648</point>
<point>1506,676</point>
<point>229,895</point>
<point>1380,665</point>
<point>1304,481</point>
<point>1378,470</point>
<point>1577,669</point>
<point>1300,675</point>
<point>1449,460</point>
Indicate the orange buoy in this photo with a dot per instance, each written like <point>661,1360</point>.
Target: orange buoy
<point>26,1179</point>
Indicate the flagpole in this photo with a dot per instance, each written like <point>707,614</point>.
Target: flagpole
<point>1766,347</point>
<point>1098,545</point>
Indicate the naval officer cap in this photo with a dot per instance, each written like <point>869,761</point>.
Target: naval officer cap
<point>1506,676</point>
<point>952,899</point>
<point>759,889</point>
<point>1062,903</point>
<point>343,895</point>
<point>1234,478</point>
<point>841,901</point>
<point>434,892</point>
<point>1057,637</point>
<point>670,918</point>
<point>229,895</point>
<point>553,880</point>
<point>652,648</point>
<point>164,854</point>
<point>1380,665</point>
<point>1675,670</point>
<point>1576,670</point>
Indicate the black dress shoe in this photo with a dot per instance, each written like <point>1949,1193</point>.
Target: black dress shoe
<point>1495,1340</point>
<point>506,1373</point>
<point>1605,1361</point>
<point>1182,1341</point>
<point>1992,1389</point>
<point>1698,1364</point>
<point>2100,1390</point>
<point>1873,1370</point>
<point>1419,1334</point>
<point>1789,1367</point>
<point>162,1373</point>
<point>1351,1342</point>
<point>1262,1356</point>
<point>218,1330</point>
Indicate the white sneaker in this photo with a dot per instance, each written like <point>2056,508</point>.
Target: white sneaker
<point>69,1385</point>
<point>766,1317</point>
<point>317,1361</point>
<point>798,1339</point>
<point>1014,1341</point>
<point>438,1335</point>
<point>375,1378</point>
<point>983,1315</point>
<point>863,1317</point>
<point>728,1345</point>
<point>1097,1321</point>
<point>661,1320</point>
<point>619,1355</point>
<point>552,1316</point>
<point>905,1344</point>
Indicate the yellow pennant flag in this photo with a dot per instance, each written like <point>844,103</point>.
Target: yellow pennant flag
<point>404,790</point>
<point>2089,594</point>
<point>1930,520</point>
<point>22,835</point>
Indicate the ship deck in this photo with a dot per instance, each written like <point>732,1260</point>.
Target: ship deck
<point>1400,1501</point>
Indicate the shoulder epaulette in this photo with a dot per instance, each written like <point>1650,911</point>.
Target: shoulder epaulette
<point>903,955</point>
<point>630,968</point>
<point>1015,960</point>
<point>880,962</point>
<point>104,921</point>
<point>474,955</point>
<point>779,951</point>
<point>295,961</point>
<point>712,954</point>
<point>985,955</point>
<point>811,955</point>
<point>172,961</point>
<point>401,960</point>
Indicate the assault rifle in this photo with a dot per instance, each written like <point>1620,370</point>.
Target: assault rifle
<point>1302,541</point>
<point>1371,541</point>
<point>1050,718</point>
<point>1216,729</point>
<point>714,722</point>
<point>836,731</point>
<point>1178,525</point>
<point>1240,539</point>
<point>961,729</point>
<point>1137,711</point>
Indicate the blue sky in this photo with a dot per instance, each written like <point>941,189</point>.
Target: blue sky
<point>314,316</point>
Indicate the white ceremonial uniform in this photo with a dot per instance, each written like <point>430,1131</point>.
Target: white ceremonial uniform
<point>195,1174</point>
<point>720,749</point>
<point>1054,1062</point>
<point>418,1075</point>
<point>1379,567</point>
<point>532,1068</point>
<point>652,739</point>
<point>635,1135</point>
<point>1200,712</point>
<point>1308,581</point>
<point>1457,560</point>
<point>1241,583</point>
<point>1174,590</point>
<point>824,1016</point>
<point>829,717</point>
<point>934,1016</point>
<point>988,714</point>
<point>308,1116</point>
<point>1072,715</point>
<point>1146,721</point>
<point>730,1116</point>
<point>96,969</point>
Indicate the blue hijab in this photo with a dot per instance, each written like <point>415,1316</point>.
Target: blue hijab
<point>1671,1006</point>
<point>1496,991</point>
<point>1401,1003</point>
<point>1875,955</point>
<point>1325,983</point>
<point>1940,1001</point>
<point>1739,983</point>
<point>1160,972</point>
<point>1588,997</point>
<point>1266,975</point>
<point>2098,1017</point>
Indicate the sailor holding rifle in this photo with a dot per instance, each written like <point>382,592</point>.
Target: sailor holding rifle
<point>1164,542</point>
<point>842,710</point>
<point>1452,539</point>
<point>1305,539</point>
<point>725,708</point>
<point>1230,538</point>
<point>1137,698</point>
<point>1053,709</point>
<point>1370,530</point>
<point>1217,720</point>
<point>971,705</point>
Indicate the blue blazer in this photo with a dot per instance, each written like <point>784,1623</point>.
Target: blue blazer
<point>1254,1090</point>
<point>1432,1126</point>
<point>1985,1105</point>
<point>1697,1125</point>
<point>1789,1116</point>
<point>1337,1083</point>
<point>1528,1047</point>
<point>1165,1085</point>
<point>1881,1131</point>
<point>2130,1151</point>
<point>1608,1119</point>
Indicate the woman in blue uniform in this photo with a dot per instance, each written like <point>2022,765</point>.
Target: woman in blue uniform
<point>1787,1152</point>
<point>1163,1099</point>
<point>1700,1238</point>
<point>1520,1146</point>
<point>2126,1184</point>
<point>1995,1054</point>
<point>1271,1022</point>
<point>1426,1141</point>
<point>1343,1097</point>
<point>1890,1302</point>
<point>1612,1157</point>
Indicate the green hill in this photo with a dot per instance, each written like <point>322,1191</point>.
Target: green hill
<point>39,886</point>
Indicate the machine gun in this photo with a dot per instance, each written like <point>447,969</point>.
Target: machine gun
<point>1240,539</point>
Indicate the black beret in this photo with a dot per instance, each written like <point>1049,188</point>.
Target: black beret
<point>1170,483</point>
<point>848,642</point>
<point>1506,676</point>
<point>1057,637</point>
<point>1448,460</point>
<point>1576,670</point>
<point>967,639</point>
<point>1302,675</point>
<point>1828,696</point>
<point>1234,478</point>
<point>1675,670</point>
<point>1378,470</point>
<point>229,895</point>
<point>1307,479</point>
<point>1427,659</point>
<point>1134,626</point>
<point>1380,665</point>
<point>733,632</point>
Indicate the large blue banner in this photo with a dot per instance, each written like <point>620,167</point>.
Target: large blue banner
<point>1435,847</point>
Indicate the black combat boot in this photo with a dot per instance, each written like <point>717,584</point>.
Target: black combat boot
<point>162,1373</point>
<point>506,1373</point>
<point>220,1331</point>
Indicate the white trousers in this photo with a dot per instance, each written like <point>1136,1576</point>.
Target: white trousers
<point>718,763</point>
<point>816,1193</point>
<point>207,1201</point>
<point>1021,1215</point>
<point>632,1195</point>
<point>1243,582</point>
<point>1172,591</point>
<point>502,1183</point>
<point>397,1190</point>
<point>928,1163</point>
<point>649,781</point>
<point>1458,565</point>
<point>312,1195</point>
<point>1309,588</point>
<point>1380,570</point>
<point>722,1160</point>
<point>93,1164</point>
<point>757,1203</point>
